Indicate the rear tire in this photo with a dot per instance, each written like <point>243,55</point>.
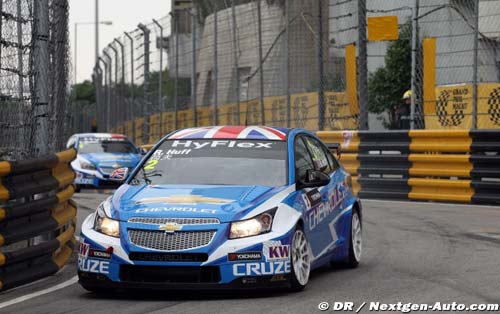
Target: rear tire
<point>300,260</point>
<point>78,188</point>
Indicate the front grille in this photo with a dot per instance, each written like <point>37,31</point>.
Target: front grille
<point>177,241</point>
<point>107,170</point>
<point>179,221</point>
<point>161,274</point>
<point>168,257</point>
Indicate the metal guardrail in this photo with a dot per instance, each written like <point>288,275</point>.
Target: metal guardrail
<point>457,166</point>
<point>36,207</point>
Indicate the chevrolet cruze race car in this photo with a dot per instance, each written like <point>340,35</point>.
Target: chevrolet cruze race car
<point>102,158</point>
<point>224,207</point>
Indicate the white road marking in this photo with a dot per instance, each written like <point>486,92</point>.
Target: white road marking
<point>429,203</point>
<point>62,285</point>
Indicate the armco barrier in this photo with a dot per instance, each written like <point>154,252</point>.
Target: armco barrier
<point>457,166</point>
<point>36,207</point>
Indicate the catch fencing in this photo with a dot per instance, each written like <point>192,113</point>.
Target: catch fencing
<point>37,217</point>
<point>34,70</point>
<point>322,65</point>
<point>457,166</point>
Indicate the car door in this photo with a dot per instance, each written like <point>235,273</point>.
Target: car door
<point>321,217</point>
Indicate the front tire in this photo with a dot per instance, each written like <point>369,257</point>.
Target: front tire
<point>355,241</point>
<point>300,259</point>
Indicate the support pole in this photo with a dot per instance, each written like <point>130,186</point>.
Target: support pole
<point>215,71</point>
<point>475,66</point>
<point>194,74</point>
<point>362,66</point>
<point>41,70</point>
<point>236,71</point>
<point>414,38</point>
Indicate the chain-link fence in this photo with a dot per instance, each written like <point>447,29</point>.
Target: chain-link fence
<point>328,64</point>
<point>34,69</point>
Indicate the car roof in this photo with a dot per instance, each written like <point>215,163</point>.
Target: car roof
<point>233,132</point>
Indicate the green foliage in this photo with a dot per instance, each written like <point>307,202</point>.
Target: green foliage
<point>387,85</point>
<point>84,92</point>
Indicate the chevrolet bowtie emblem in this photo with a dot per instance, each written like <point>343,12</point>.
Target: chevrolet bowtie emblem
<point>171,227</point>
<point>116,166</point>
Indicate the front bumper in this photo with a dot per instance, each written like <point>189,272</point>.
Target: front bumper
<point>252,268</point>
<point>94,179</point>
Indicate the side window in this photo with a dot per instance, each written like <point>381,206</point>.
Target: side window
<point>334,164</point>
<point>303,161</point>
<point>71,142</point>
<point>320,160</point>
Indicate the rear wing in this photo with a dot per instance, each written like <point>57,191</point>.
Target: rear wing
<point>335,148</point>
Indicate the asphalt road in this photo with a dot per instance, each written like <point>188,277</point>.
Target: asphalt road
<point>414,252</point>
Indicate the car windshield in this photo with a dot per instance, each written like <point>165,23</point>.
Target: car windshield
<point>105,145</point>
<point>215,162</point>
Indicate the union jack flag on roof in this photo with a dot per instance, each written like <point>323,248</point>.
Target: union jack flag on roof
<point>232,132</point>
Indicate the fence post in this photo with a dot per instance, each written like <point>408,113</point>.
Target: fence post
<point>194,81</point>
<point>20,68</point>
<point>362,66</point>
<point>123,114</point>
<point>110,90</point>
<point>146,107</point>
<point>414,40</point>
<point>261,65</point>
<point>132,87</point>
<point>215,71</point>
<point>287,64</point>
<point>321,70</point>
<point>116,99</point>
<point>161,107</point>
<point>475,65</point>
<point>41,70</point>
<point>236,70</point>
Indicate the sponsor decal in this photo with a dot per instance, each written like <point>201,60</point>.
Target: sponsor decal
<point>93,266</point>
<point>311,198</point>
<point>170,227</point>
<point>321,212</point>
<point>274,250</point>
<point>101,254</point>
<point>185,199</point>
<point>119,174</point>
<point>83,250</point>
<point>244,256</point>
<point>261,268</point>
<point>215,144</point>
<point>176,209</point>
<point>279,277</point>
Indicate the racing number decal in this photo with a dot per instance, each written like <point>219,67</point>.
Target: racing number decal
<point>151,164</point>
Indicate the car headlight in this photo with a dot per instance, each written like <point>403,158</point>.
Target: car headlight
<point>104,224</point>
<point>87,165</point>
<point>259,224</point>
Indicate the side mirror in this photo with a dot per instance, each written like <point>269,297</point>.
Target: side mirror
<point>119,175</point>
<point>143,151</point>
<point>314,179</point>
<point>335,147</point>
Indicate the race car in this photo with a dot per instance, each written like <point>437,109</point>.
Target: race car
<point>102,159</point>
<point>224,207</point>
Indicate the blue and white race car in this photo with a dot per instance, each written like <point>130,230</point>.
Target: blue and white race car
<point>102,158</point>
<point>224,207</point>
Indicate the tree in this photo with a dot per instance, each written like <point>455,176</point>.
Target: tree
<point>84,92</point>
<point>387,85</point>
